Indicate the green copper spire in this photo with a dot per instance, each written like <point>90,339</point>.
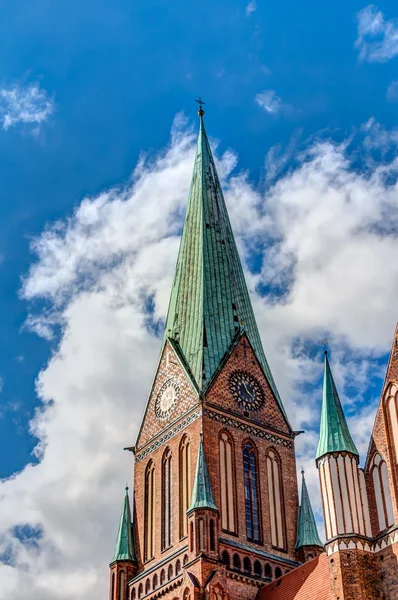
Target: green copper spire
<point>125,547</point>
<point>210,304</point>
<point>334,433</point>
<point>202,494</point>
<point>307,532</point>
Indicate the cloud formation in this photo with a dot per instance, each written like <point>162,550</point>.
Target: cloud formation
<point>324,236</point>
<point>251,7</point>
<point>392,91</point>
<point>273,104</point>
<point>377,39</point>
<point>25,104</point>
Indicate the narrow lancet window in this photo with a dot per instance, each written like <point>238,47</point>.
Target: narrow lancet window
<point>166,500</point>
<point>149,546</point>
<point>228,490</point>
<point>251,492</point>
<point>275,497</point>
<point>185,484</point>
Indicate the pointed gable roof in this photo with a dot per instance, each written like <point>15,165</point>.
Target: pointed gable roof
<point>210,303</point>
<point>125,546</point>
<point>307,532</point>
<point>334,434</point>
<point>202,493</point>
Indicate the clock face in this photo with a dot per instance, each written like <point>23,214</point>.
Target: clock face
<point>246,390</point>
<point>167,398</point>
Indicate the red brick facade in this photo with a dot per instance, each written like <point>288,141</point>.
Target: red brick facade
<point>180,569</point>
<point>232,565</point>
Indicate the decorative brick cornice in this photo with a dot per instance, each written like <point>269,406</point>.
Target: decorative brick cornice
<point>168,435</point>
<point>355,542</point>
<point>250,429</point>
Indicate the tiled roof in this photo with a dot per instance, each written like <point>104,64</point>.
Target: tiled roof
<point>202,494</point>
<point>125,546</point>
<point>310,581</point>
<point>307,532</point>
<point>334,434</point>
<point>210,303</point>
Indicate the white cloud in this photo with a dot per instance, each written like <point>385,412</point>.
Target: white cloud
<point>273,104</point>
<point>392,92</point>
<point>330,233</point>
<point>25,104</point>
<point>251,7</point>
<point>377,39</point>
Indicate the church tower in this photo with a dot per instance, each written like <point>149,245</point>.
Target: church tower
<point>215,488</point>
<point>354,574</point>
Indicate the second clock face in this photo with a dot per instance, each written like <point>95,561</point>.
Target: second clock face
<point>167,398</point>
<point>246,390</point>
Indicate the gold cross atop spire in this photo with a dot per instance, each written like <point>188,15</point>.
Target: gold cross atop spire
<point>201,112</point>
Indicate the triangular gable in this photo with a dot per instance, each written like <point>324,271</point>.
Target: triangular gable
<point>242,358</point>
<point>171,367</point>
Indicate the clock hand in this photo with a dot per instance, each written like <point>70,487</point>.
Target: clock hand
<point>247,391</point>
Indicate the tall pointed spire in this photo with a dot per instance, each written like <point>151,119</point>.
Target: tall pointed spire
<point>334,434</point>
<point>307,532</point>
<point>125,546</point>
<point>210,304</point>
<point>202,493</point>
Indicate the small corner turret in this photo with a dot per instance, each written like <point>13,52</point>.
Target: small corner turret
<point>123,565</point>
<point>308,543</point>
<point>203,514</point>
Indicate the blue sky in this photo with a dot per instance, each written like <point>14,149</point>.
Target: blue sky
<point>87,88</point>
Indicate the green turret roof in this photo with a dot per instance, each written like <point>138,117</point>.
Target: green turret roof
<point>334,433</point>
<point>307,532</point>
<point>202,494</point>
<point>125,547</point>
<point>210,303</point>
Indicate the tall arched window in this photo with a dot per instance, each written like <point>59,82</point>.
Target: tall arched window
<point>275,497</point>
<point>212,535</point>
<point>149,546</point>
<point>185,483</point>
<point>251,492</point>
<point>391,403</point>
<point>122,586</point>
<point>166,500</point>
<point>228,489</point>
<point>113,587</point>
<point>382,492</point>
<point>201,535</point>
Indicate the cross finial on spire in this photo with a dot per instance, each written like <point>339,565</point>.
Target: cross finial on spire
<point>201,112</point>
<point>325,345</point>
<point>302,472</point>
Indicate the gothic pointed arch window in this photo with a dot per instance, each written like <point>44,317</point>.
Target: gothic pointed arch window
<point>149,542</point>
<point>252,504</point>
<point>167,496</point>
<point>185,483</point>
<point>382,491</point>
<point>112,587</point>
<point>217,593</point>
<point>392,410</point>
<point>228,483</point>
<point>275,500</point>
